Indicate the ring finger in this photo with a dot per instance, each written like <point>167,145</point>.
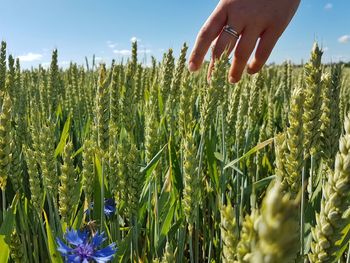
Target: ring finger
<point>225,41</point>
<point>242,53</point>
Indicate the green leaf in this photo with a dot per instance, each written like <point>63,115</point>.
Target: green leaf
<point>212,165</point>
<point>97,190</point>
<point>78,220</point>
<point>54,254</point>
<point>148,169</point>
<point>264,182</point>
<point>64,136</point>
<point>124,248</point>
<point>153,161</point>
<point>256,148</point>
<point>79,151</point>
<point>343,243</point>
<point>164,200</point>
<point>6,230</point>
<point>5,251</point>
<point>170,234</point>
<point>176,175</point>
<point>167,222</point>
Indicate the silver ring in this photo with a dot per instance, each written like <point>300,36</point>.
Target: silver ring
<point>231,31</point>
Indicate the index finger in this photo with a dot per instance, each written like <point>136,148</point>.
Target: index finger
<point>209,31</point>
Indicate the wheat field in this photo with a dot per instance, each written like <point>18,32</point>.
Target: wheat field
<point>133,163</point>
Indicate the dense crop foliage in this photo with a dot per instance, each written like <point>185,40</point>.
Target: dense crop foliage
<point>172,168</point>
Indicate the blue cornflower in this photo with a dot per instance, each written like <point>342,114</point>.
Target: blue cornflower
<point>109,207</point>
<point>82,249</point>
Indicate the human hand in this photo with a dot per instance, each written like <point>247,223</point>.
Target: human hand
<point>252,20</point>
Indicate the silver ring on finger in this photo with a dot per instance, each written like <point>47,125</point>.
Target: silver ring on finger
<point>229,30</point>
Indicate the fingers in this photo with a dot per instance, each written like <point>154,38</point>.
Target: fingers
<point>225,42</point>
<point>207,34</point>
<point>263,51</point>
<point>242,53</point>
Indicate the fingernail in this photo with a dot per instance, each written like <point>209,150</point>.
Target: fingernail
<point>232,80</point>
<point>191,67</point>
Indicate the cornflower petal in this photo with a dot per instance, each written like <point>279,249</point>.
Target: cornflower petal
<point>85,249</point>
<point>84,235</point>
<point>98,239</point>
<point>105,254</point>
<point>62,247</point>
<point>74,237</point>
<point>74,259</point>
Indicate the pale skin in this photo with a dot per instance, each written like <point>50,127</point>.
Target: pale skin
<point>259,23</point>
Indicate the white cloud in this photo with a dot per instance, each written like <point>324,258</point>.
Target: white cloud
<point>123,52</point>
<point>135,39</point>
<point>328,6</point>
<point>344,39</point>
<point>29,57</point>
<point>111,44</point>
<point>144,51</point>
<point>325,49</point>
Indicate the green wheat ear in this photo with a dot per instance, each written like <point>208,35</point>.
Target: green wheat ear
<point>294,140</point>
<point>192,183</point>
<point>102,110</point>
<point>47,160</point>
<point>229,234</point>
<point>53,83</point>
<point>16,171</point>
<point>67,186</point>
<point>334,214</point>
<point>16,248</point>
<point>248,238</point>
<point>331,126</point>
<point>277,228</point>
<point>36,196</point>
<point>313,102</point>
<point>167,76</point>
<point>5,139</point>
<point>2,67</point>
<point>212,93</point>
<point>89,169</point>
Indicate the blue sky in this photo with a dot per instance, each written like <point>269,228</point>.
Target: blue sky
<point>80,28</point>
